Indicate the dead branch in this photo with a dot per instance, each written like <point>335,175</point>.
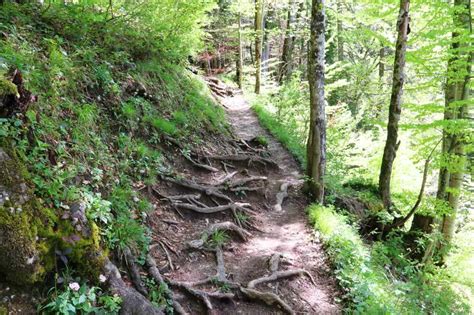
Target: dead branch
<point>281,195</point>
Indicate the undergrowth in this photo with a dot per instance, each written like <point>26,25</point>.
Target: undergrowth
<point>380,279</point>
<point>98,129</point>
<point>376,277</point>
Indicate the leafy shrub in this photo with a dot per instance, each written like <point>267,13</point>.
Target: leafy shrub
<point>74,298</point>
<point>369,288</point>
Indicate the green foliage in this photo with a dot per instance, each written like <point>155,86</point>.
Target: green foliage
<point>381,279</point>
<point>159,295</point>
<point>291,140</point>
<point>75,298</point>
<point>162,125</point>
<point>7,88</point>
<point>262,140</point>
<point>218,238</point>
<point>98,209</point>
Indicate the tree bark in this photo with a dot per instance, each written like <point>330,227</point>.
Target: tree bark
<point>288,45</point>
<point>457,90</point>
<point>450,174</point>
<point>316,147</point>
<point>381,63</point>
<point>240,61</point>
<point>258,43</point>
<point>392,143</point>
<point>340,42</point>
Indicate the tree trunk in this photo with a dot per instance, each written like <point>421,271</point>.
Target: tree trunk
<point>457,90</point>
<point>288,44</point>
<point>258,43</point>
<point>240,61</point>
<point>340,42</point>
<point>316,147</point>
<point>381,63</point>
<point>453,166</point>
<point>392,143</point>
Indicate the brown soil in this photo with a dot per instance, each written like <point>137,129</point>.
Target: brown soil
<point>286,232</point>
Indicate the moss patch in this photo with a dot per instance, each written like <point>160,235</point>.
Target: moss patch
<point>7,88</point>
<point>30,234</point>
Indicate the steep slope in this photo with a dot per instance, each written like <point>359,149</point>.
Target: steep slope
<point>115,160</point>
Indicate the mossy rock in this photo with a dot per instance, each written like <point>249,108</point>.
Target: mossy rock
<point>31,234</point>
<point>7,88</point>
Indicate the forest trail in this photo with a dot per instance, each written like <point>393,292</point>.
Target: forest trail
<point>281,233</point>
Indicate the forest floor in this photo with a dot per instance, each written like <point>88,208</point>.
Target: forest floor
<point>281,243</point>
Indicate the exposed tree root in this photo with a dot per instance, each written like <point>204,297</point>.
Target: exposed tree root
<point>134,272</point>
<point>156,275</point>
<point>204,296</point>
<point>208,190</point>
<point>244,158</point>
<point>132,301</point>
<point>268,298</point>
<point>281,195</point>
<point>200,165</point>
<point>278,275</point>
<point>168,257</point>
<point>222,226</point>
<point>234,206</point>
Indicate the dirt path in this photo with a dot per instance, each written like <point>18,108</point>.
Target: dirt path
<point>285,233</point>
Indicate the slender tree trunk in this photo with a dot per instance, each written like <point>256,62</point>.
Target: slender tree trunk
<point>381,63</point>
<point>392,143</point>
<point>316,147</point>
<point>240,61</point>
<point>258,43</point>
<point>457,90</point>
<point>453,167</point>
<point>340,42</point>
<point>288,44</point>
